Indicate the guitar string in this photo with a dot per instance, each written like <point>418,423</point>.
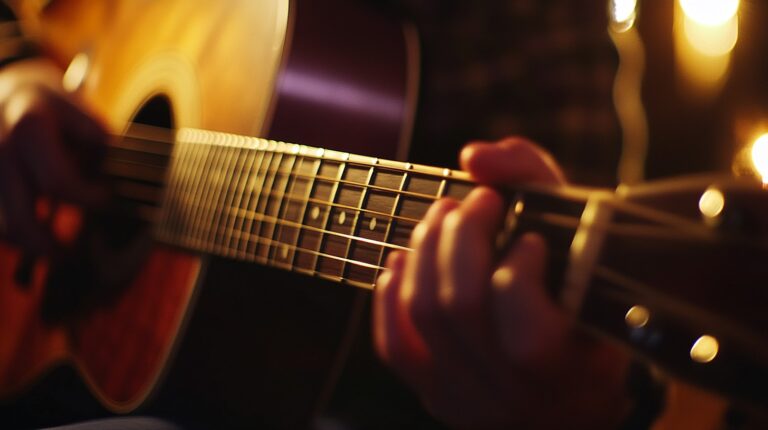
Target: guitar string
<point>651,215</point>
<point>171,140</point>
<point>625,229</point>
<point>614,228</point>
<point>262,218</point>
<point>294,176</point>
<point>644,212</point>
<point>291,175</point>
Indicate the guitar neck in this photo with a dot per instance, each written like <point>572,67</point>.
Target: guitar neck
<point>324,213</point>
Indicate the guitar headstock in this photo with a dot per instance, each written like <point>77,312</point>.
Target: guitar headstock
<point>680,280</point>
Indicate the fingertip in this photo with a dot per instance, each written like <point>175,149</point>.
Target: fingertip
<point>479,155</point>
<point>514,159</point>
<point>440,207</point>
<point>468,154</point>
<point>395,261</point>
<point>433,218</point>
<point>517,141</point>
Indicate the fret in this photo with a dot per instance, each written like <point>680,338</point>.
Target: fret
<point>443,184</point>
<point>341,220</point>
<point>273,203</point>
<point>192,164</point>
<point>327,220</point>
<point>222,232</point>
<point>214,181</point>
<point>278,221</point>
<point>388,233</point>
<point>321,196</point>
<point>423,184</point>
<point>265,183</point>
<point>221,180</point>
<point>456,188</point>
<point>254,193</point>
<point>326,213</point>
<point>288,211</point>
<point>171,218</point>
<point>298,250</point>
<point>304,214</point>
<point>412,207</point>
<point>244,194</point>
<point>356,249</point>
<point>296,211</point>
<point>209,158</point>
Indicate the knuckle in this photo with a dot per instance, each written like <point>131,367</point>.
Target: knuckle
<point>460,307</point>
<point>455,222</point>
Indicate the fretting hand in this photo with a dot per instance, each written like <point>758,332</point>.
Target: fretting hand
<point>50,148</point>
<point>480,340</point>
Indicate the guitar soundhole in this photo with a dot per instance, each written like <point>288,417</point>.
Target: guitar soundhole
<point>115,242</point>
<point>156,112</point>
<point>144,153</point>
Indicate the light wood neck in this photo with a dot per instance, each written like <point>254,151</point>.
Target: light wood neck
<point>319,212</point>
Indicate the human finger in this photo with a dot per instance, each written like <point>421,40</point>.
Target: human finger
<point>421,275</point>
<point>465,257</point>
<point>394,341</point>
<point>54,170</point>
<point>512,160</point>
<point>81,130</point>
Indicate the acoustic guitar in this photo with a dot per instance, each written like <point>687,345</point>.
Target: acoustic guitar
<point>670,270</point>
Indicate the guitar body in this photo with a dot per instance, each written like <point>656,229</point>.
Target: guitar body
<point>278,69</point>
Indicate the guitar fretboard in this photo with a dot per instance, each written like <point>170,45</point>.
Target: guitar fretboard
<point>324,213</point>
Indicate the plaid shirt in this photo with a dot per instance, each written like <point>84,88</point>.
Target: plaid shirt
<point>541,69</point>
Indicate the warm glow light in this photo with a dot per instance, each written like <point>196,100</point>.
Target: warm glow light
<point>637,316</point>
<point>712,40</point>
<point>706,33</point>
<point>76,72</point>
<point>623,13</point>
<point>705,349</point>
<point>710,12</point>
<point>760,156</point>
<point>711,203</point>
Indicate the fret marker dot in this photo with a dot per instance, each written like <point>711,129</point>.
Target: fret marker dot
<point>372,224</point>
<point>342,217</point>
<point>315,212</point>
